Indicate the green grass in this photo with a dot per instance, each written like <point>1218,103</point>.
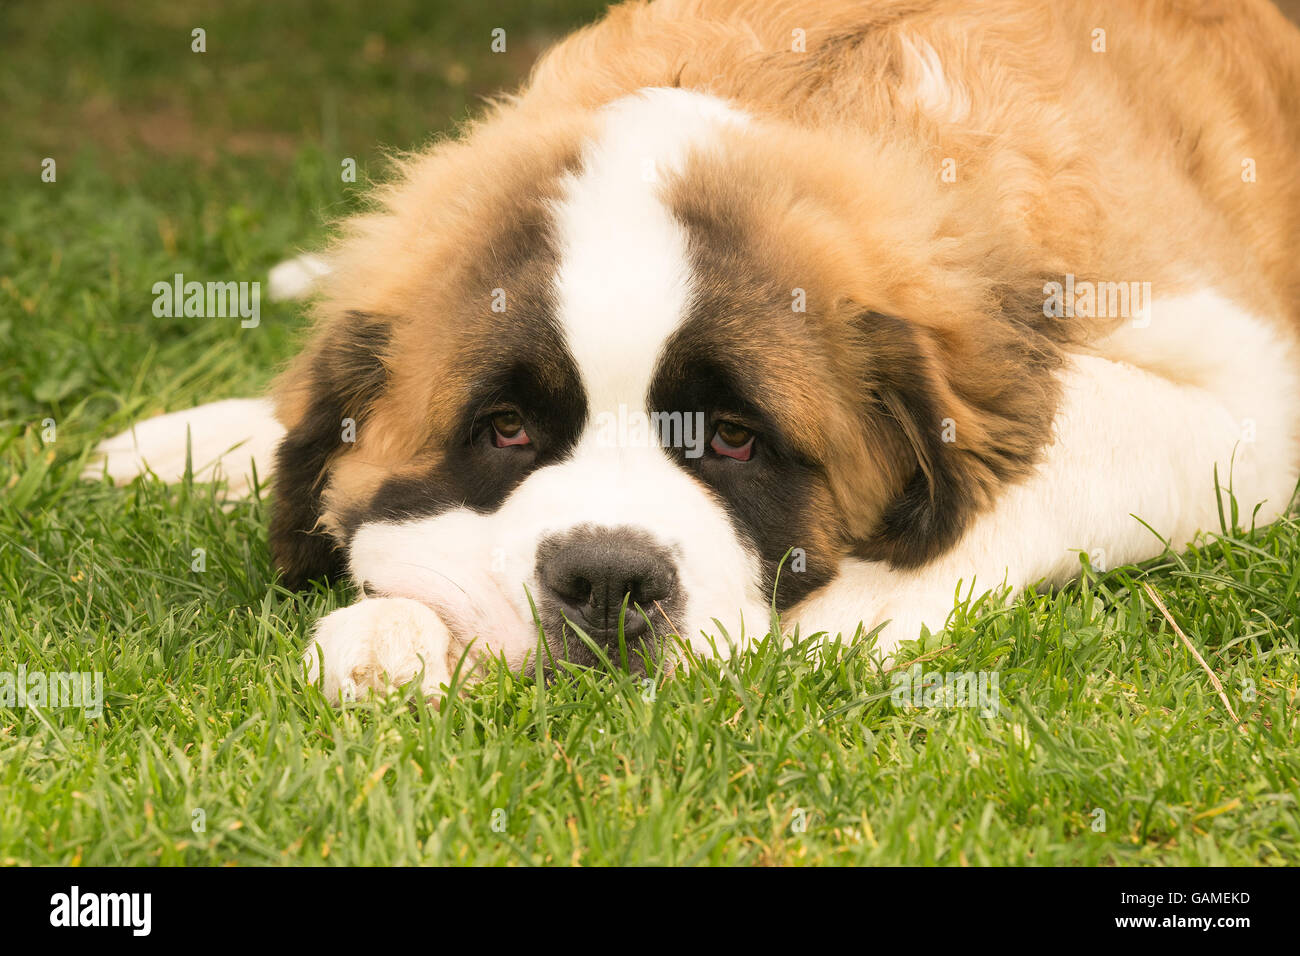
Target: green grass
<point>1101,705</point>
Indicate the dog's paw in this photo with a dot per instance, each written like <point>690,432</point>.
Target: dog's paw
<point>225,439</point>
<point>378,644</point>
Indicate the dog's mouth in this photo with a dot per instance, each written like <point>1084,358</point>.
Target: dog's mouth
<point>639,650</point>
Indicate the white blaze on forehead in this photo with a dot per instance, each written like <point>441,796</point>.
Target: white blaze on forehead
<point>623,282</point>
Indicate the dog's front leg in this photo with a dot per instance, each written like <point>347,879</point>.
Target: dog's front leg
<point>379,643</point>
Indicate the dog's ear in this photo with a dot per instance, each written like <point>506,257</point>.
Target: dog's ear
<point>332,386</point>
<point>954,411</point>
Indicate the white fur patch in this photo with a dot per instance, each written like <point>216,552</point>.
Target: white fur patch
<point>624,281</point>
<point>927,84</point>
<point>295,278</point>
<point>225,440</point>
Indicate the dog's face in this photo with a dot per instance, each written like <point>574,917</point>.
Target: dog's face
<point>645,372</point>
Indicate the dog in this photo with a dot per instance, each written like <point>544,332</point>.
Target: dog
<point>842,311</point>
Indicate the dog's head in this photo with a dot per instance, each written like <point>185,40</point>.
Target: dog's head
<point>653,369</point>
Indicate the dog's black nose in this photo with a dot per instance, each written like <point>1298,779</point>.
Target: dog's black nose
<point>588,572</point>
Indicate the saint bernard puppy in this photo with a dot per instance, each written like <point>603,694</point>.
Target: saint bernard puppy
<point>847,309</point>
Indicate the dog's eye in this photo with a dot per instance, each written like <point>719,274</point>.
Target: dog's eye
<point>508,429</point>
<point>733,441</point>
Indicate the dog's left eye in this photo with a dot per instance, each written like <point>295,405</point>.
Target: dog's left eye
<point>508,429</point>
<point>733,441</point>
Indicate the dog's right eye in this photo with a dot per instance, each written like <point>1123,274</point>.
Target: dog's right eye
<point>508,430</point>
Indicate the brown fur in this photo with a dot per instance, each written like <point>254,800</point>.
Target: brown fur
<point>867,395</point>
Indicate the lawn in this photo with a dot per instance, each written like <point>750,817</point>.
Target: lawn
<point>1110,744</point>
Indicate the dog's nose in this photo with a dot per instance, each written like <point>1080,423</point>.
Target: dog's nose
<point>587,573</point>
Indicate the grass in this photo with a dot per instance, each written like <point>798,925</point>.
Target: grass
<point>210,749</point>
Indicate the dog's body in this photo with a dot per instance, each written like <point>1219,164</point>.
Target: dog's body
<point>955,291</point>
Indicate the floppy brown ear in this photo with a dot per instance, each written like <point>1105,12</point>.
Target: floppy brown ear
<point>968,408</point>
<point>337,379</point>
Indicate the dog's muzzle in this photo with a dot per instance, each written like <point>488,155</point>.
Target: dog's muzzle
<point>588,573</point>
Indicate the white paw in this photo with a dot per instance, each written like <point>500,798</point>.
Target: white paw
<point>379,644</point>
<point>224,440</point>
